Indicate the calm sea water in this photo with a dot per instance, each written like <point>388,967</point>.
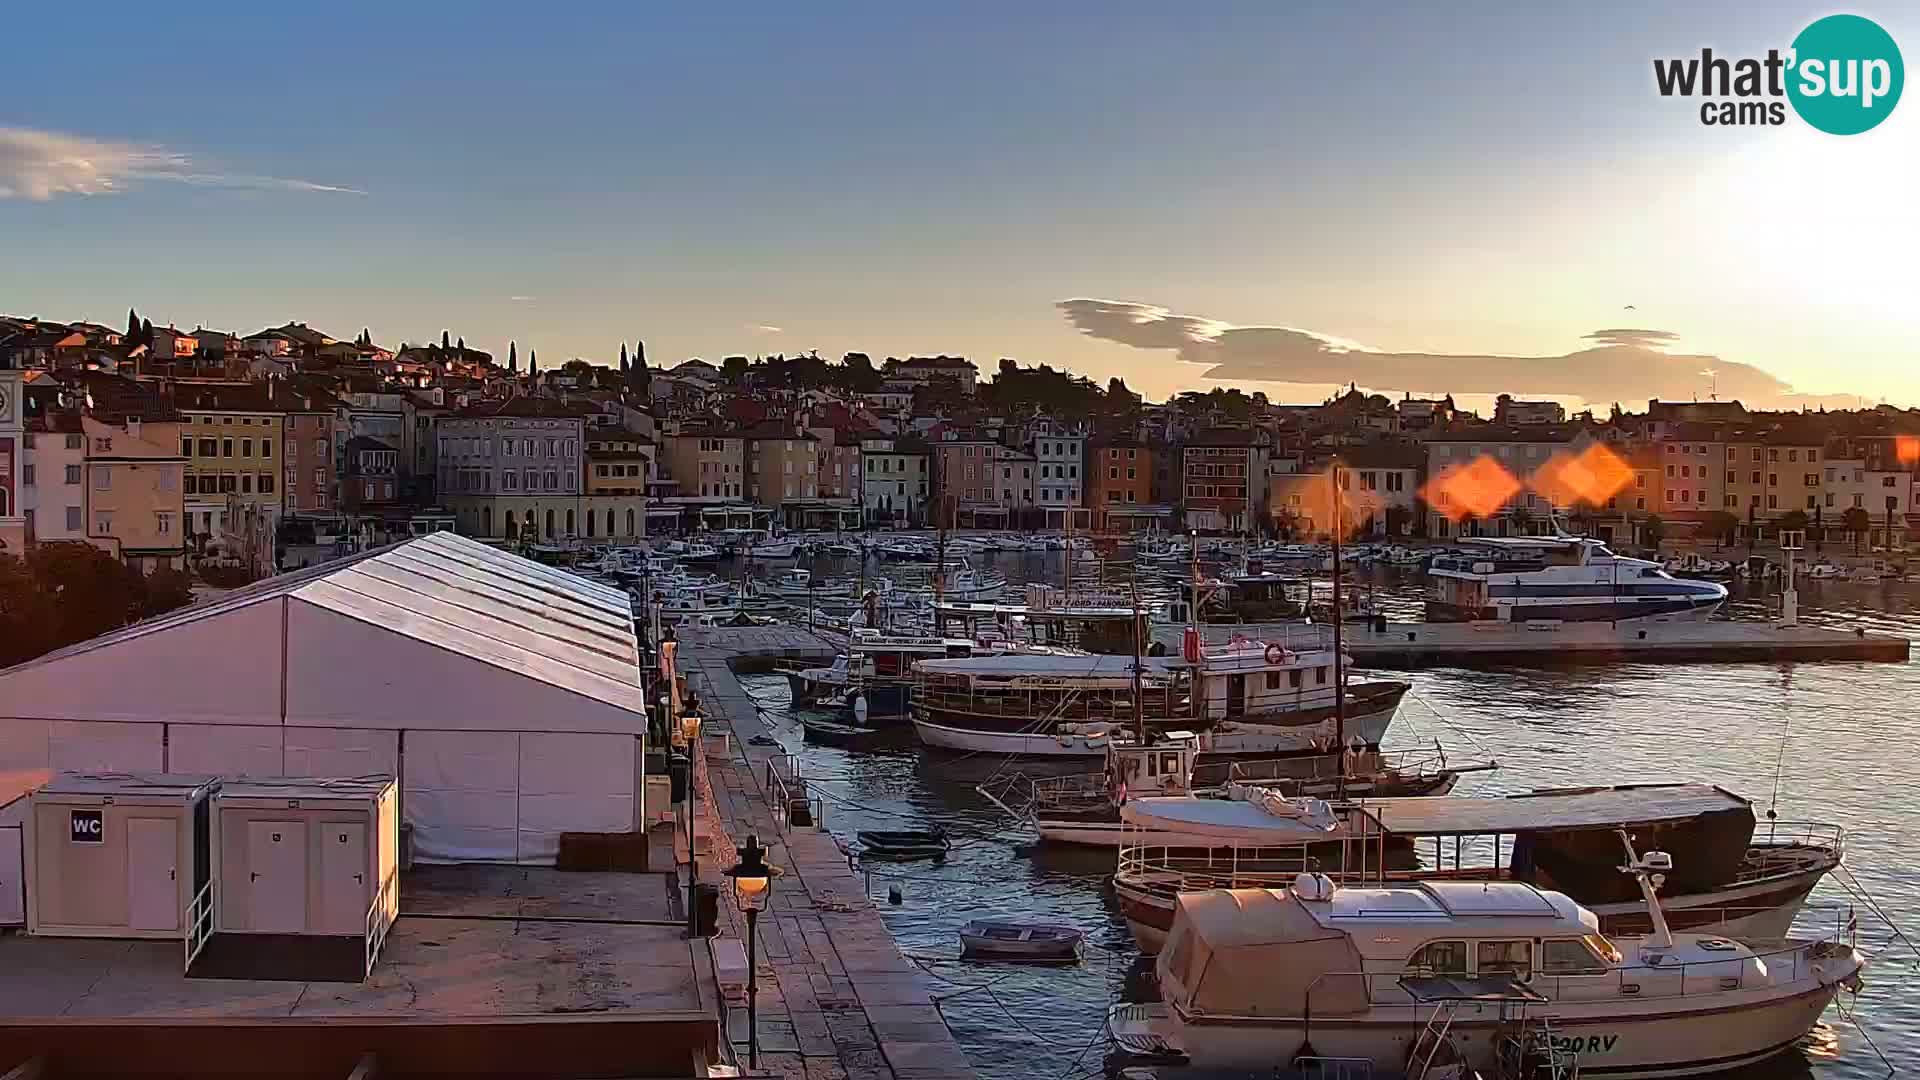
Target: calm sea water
<point>1818,742</point>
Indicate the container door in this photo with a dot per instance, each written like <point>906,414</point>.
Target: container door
<point>1236,695</point>
<point>343,878</point>
<point>153,896</point>
<point>277,879</point>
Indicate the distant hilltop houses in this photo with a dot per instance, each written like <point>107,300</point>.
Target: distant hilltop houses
<point>259,450</point>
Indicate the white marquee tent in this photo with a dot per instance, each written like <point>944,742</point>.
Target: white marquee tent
<point>503,693</point>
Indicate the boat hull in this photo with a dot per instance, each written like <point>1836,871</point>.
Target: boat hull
<point>1760,910</point>
<point>1614,1037</point>
<point>1574,609</point>
<point>1109,833</point>
<point>1230,738</point>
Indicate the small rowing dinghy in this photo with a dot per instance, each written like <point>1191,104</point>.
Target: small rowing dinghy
<point>904,843</point>
<point>1000,940</point>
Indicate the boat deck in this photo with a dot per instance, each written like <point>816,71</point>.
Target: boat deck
<point>1413,645</point>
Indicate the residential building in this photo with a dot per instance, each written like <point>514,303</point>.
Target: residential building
<point>706,464</point>
<point>172,344</point>
<point>1425,414</point>
<point>1494,480</point>
<point>1059,456</point>
<point>618,463</point>
<point>1224,478</point>
<point>372,479</point>
<point>308,473</point>
<point>924,370</point>
<point>134,491</point>
<point>1120,487</point>
<point>513,468</point>
<point>232,439</point>
<point>13,411</point>
<point>1696,470</point>
<point>985,482</point>
<point>53,474</point>
<point>894,480</point>
<point>1793,469</point>
<point>783,465</point>
<point>1380,489</point>
<point>1510,410</point>
<point>840,458</point>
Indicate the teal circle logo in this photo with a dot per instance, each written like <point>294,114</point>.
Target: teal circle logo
<point>1845,74</point>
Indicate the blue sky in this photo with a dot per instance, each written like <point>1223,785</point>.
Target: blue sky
<point>1495,182</point>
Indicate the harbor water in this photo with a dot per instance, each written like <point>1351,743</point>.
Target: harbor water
<point>1825,742</point>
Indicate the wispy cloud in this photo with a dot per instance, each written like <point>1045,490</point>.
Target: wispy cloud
<point>43,165</point>
<point>763,328</point>
<point>521,299</point>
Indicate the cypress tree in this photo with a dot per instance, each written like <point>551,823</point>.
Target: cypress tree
<point>623,358</point>
<point>133,326</point>
<point>533,363</point>
<point>445,343</point>
<point>513,358</point>
<point>146,332</point>
<point>462,346</point>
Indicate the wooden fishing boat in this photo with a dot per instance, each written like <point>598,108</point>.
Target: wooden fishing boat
<point>904,843</point>
<point>999,939</point>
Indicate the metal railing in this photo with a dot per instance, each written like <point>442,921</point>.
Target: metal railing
<point>199,923</point>
<point>378,922</point>
<point>786,794</point>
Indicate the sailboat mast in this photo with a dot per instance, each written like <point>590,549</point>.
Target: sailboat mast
<point>1066,575</point>
<point>1339,674</point>
<point>1139,708</point>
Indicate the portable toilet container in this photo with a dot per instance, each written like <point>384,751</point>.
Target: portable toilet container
<point>13,852</point>
<point>117,854</point>
<point>308,857</point>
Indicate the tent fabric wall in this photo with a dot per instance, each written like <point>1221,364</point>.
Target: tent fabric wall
<point>225,750</point>
<point>83,746</point>
<point>572,783</point>
<point>342,752</point>
<point>461,794</point>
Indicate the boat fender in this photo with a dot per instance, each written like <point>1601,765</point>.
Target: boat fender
<point>860,709</point>
<point>1313,887</point>
<point>1276,653</point>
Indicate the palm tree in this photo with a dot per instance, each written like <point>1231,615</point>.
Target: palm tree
<point>1857,522</point>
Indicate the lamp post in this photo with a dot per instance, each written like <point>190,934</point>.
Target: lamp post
<point>690,734</point>
<point>750,879</point>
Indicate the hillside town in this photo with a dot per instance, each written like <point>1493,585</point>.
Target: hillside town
<point>239,454</point>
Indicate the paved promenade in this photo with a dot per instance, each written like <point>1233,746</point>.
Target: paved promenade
<point>838,1001</point>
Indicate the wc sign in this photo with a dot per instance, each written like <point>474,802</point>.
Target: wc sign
<point>88,827</point>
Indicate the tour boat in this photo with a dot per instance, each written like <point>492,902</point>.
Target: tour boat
<point>1393,979</point>
<point>1568,578</point>
<point>1084,808</point>
<point>1245,698</point>
<point>774,549</point>
<point>1738,879</point>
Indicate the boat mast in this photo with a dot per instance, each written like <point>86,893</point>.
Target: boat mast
<point>1066,575</point>
<point>940,551</point>
<point>1339,676</point>
<point>1139,710</point>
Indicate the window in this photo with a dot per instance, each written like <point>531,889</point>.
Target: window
<point>103,523</point>
<point>209,448</point>
<point>1439,958</point>
<point>1755,479</point>
<point>163,523</point>
<point>1731,477</point>
<point>266,483</point>
<point>76,442</point>
<point>1732,501</point>
<point>226,447</point>
<point>186,446</point>
<point>1320,676</point>
<point>1773,502</point>
<point>1772,455</point>
<point>1811,501</point>
<point>1273,680</point>
<point>266,448</point>
<point>73,474</point>
<point>319,448</point>
<point>1829,498</point>
<point>246,447</point>
<point>1773,479</point>
<point>1812,454</point>
<point>1569,956</point>
<point>1505,957</point>
<point>1686,471</point>
<point>320,478</point>
<point>1756,453</point>
<point>103,478</point>
<point>246,483</point>
<point>73,519</point>
<point>1888,481</point>
<point>26,475</point>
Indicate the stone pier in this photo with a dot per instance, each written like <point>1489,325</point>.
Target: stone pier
<point>838,1000</point>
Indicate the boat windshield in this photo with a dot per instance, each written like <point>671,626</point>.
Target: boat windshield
<point>1601,553</point>
<point>1603,947</point>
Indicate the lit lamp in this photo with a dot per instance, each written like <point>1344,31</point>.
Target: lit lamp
<point>689,733</point>
<point>751,877</point>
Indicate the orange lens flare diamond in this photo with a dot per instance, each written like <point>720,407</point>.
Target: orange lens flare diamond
<point>1590,477</point>
<point>1477,489</point>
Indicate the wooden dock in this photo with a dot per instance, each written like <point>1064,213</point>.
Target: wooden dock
<point>838,1000</point>
<point>1412,645</point>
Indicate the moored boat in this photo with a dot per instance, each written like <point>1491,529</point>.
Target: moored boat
<point>1384,976</point>
<point>1002,939</point>
<point>1737,879</point>
<point>1567,578</point>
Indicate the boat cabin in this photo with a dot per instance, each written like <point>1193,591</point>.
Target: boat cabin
<point>1161,767</point>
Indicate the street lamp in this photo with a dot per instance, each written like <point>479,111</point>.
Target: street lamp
<point>690,736</point>
<point>751,877</point>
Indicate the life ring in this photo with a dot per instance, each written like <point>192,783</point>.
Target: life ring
<point>1276,653</point>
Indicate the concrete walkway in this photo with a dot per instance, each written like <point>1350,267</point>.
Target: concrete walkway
<point>841,1002</point>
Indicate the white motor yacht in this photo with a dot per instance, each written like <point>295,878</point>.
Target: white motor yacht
<point>1568,578</point>
<point>1467,972</point>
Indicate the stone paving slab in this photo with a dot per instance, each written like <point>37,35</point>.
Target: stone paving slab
<point>838,989</point>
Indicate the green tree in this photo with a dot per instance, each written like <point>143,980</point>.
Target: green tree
<point>513,358</point>
<point>146,332</point>
<point>166,589</point>
<point>1652,531</point>
<point>733,369</point>
<point>445,343</point>
<point>623,358</point>
<point>533,363</point>
<point>1722,525</point>
<point>133,327</point>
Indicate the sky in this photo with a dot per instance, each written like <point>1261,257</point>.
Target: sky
<point>1415,197</point>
